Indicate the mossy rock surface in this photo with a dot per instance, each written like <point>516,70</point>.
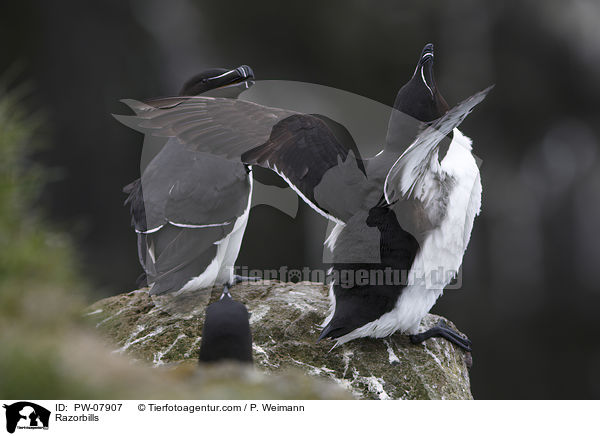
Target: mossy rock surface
<point>285,320</point>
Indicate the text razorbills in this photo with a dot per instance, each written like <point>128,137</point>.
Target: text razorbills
<point>80,418</point>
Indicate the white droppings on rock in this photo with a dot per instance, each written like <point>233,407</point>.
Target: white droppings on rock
<point>114,315</point>
<point>93,312</point>
<point>192,347</point>
<point>346,357</point>
<point>347,384</point>
<point>374,385</point>
<point>265,359</point>
<point>300,305</point>
<point>259,349</point>
<point>433,356</point>
<point>136,331</point>
<point>159,355</point>
<point>392,358</point>
<point>258,314</point>
<point>129,343</point>
<point>313,370</point>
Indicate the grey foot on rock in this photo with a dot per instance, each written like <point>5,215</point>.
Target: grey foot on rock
<point>240,279</point>
<point>442,329</point>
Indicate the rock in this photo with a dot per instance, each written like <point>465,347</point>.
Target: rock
<point>285,320</point>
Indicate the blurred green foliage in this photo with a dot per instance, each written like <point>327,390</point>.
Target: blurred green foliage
<point>31,254</point>
<point>40,290</point>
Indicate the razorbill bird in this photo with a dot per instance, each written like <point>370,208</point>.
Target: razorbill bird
<point>409,209</point>
<point>226,334</point>
<point>431,195</point>
<point>190,209</point>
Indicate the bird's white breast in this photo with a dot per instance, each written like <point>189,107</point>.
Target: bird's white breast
<point>441,252</point>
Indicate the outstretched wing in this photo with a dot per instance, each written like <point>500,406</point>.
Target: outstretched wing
<point>419,166</point>
<point>220,126</point>
<point>301,148</point>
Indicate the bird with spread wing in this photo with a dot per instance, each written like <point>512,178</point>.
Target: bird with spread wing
<point>408,211</point>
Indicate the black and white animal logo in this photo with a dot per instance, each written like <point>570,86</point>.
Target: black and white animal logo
<point>26,415</point>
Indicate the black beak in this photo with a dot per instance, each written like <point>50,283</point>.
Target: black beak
<point>245,72</point>
<point>237,75</point>
<point>425,69</point>
<point>427,52</point>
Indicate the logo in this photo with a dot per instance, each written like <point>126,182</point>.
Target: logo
<point>26,415</point>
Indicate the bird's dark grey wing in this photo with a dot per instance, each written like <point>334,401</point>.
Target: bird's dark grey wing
<point>299,147</point>
<point>189,189</point>
<point>221,126</point>
<point>183,204</point>
<point>140,107</point>
<point>152,144</point>
<point>419,164</point>
<point>174,255</point>
<point>345,189</point>
<point>135,200</point>
<point>304,149</point>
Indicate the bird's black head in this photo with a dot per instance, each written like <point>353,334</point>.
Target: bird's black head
<point>226,334</point>
<point>217,78</point>
<point>420,97</point>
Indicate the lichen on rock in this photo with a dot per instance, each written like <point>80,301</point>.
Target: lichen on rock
<point>285,320</point>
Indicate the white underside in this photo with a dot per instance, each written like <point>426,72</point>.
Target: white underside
<point>331,304</point>
<point>221,269</point>
<point>442,250</point>
<point>335,233</point>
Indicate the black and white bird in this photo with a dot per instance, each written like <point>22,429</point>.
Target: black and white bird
<point>226,334</point>
<point>409,209</point>
<point>190,209</point>
<point>431,195</point>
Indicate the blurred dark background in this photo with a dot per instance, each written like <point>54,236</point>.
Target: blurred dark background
<point>530,296</point>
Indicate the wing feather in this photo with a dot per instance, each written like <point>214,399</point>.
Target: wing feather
<point>419,165</point>
<point>302,148</point>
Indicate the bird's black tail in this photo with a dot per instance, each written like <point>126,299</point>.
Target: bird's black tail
<point>135,200</point>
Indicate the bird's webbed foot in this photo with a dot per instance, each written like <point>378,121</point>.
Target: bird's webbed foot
<point>442,329</point>
<point>240,279</point>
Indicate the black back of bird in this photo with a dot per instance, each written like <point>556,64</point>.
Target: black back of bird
<point>226,334</point>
